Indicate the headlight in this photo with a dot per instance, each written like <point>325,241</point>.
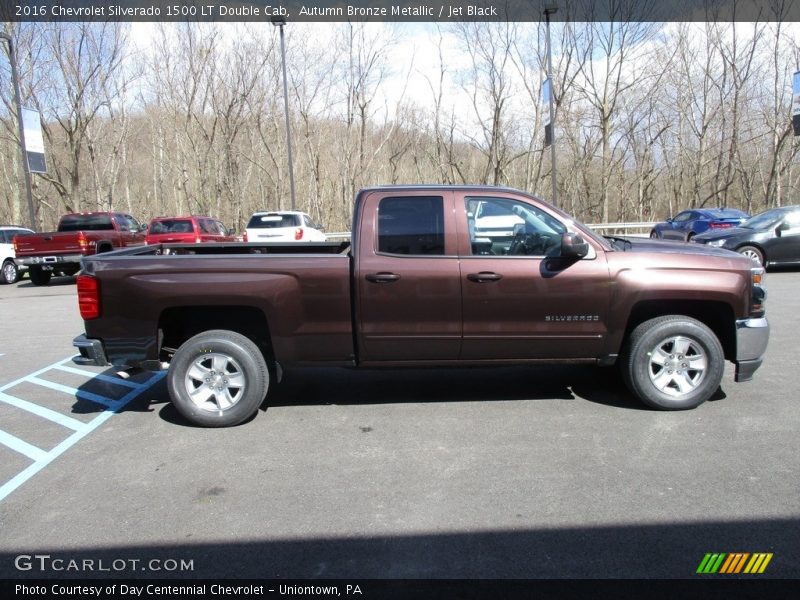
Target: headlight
<point>716,243</point>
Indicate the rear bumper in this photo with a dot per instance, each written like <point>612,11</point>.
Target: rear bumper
<point>91,351</point>
<point>49,260</point>
<point>752,336</point>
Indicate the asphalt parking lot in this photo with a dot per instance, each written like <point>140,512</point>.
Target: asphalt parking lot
<point>545,472</point>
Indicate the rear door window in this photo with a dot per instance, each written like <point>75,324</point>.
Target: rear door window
<point>411,225</point>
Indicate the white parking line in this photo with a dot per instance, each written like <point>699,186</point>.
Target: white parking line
<point>41,457</point>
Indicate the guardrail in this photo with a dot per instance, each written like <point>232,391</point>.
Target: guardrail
<point>615,227</point>
<point>608,227</point>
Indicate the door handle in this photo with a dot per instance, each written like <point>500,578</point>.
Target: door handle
<point>484,277</point>
<point>382,277</point>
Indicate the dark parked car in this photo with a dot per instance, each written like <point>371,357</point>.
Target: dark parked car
<point>687,224</point>
<point>770,238</point>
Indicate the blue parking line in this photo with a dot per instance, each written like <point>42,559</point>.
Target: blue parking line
<point>21,446</point>
<point>100,376</point>
<point>41,411</point>
<point>43,458</point>
<point>96,398</point>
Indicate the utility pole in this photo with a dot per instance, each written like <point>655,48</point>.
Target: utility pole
<point>549,9</point>
<point>281,22</point>
<point>21,128</point>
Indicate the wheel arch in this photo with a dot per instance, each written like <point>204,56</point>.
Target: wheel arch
<point>717,316</point>
<point>103,246</point>
<point>179,323</point>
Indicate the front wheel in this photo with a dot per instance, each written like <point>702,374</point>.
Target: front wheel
<point>654,235</point>
<point>10,272</point>
<point>673,362</point>
<point>218,378</point>
<point>753,254</point>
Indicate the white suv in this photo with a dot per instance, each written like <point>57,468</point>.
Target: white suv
<point>283,226</point>
<point>11,271</point>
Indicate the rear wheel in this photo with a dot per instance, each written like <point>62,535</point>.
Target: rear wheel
<point>753,253</point>
<point>673,362</point>
<point>218,378</point>
<point>10,272</point>
<point>39,276</point>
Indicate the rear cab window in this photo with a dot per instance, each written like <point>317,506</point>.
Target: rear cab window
<point>85,223</point>
<point>411,226</point>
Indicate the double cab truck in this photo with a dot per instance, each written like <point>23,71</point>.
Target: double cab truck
<point>78,235</point>
<point>420,285</point>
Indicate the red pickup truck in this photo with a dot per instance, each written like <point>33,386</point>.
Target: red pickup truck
<point>78,235</point>
<point>422,285</point>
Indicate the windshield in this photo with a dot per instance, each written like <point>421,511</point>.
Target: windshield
<point>764,220</point>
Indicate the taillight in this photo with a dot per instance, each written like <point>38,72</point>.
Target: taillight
<point>758,294</point>
<point>298,233</point>
<point>244,236</point>
<point>198,239</point>
<point>16,244</point>
<point>83,242</point>
<point>720,225</point>
<point>88,297</point>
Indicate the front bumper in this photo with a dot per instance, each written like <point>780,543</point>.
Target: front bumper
<point>91,351</point>
<point>752,336</point>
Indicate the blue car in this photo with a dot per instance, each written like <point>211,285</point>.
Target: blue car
<point>687,224</point>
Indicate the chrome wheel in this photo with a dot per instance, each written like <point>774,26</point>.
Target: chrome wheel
<point>753,254</point>
<point>10,272</point>
<point>677,365</point>
<point>215,382</point>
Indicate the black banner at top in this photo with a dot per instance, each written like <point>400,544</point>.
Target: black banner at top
<point>442,11</point>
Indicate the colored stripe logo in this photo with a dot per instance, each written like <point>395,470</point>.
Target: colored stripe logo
<point>734,563</point>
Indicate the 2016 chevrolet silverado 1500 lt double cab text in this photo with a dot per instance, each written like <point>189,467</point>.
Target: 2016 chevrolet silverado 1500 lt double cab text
<point>418,286</point>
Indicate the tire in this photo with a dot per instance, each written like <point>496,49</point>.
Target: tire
<point>657,354</point>
<point>10,272</point>
<point>218,378</point>
<point>39,276</point>
<point>654,235</point>
<point>753,253</point>
<point>690,236</point>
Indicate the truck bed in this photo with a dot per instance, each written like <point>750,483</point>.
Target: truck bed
<point>299,294</point>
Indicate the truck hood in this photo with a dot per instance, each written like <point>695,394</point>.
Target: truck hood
<point>669,247</point>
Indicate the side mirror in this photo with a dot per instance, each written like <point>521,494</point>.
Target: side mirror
<point>320,226</point>
<point>781,228</point>
<point>232,231</point>
<point>143,227</point>
<point>573,245</point>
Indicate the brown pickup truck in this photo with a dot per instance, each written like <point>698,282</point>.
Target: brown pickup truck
<point>79,234</point>
<point>435,275</point>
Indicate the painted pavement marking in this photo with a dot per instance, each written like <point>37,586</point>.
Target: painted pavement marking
<point>41,458</point>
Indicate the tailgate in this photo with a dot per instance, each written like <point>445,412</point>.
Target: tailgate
<point>45,244</point>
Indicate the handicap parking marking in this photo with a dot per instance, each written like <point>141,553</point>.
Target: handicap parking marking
<point>41,458</point>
